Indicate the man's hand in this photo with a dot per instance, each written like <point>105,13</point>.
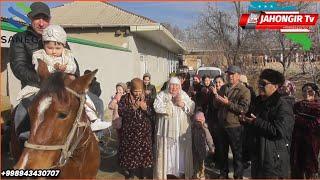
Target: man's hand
<point>247,119</point>
<point>223,100</point>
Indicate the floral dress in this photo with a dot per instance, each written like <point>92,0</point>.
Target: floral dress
<point>306,138</point>
<point>135,148</point>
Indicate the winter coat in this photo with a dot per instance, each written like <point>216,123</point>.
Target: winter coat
<point>202,141</point>
<point>153,90</point>
<point>273,130</point>
<point>239,98</point>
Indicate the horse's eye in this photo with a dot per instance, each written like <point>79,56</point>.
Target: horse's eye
<point>62,115</point>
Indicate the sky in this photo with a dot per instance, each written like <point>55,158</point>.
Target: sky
<point>183,14</point>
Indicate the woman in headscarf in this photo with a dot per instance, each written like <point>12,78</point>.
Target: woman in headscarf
<point>306,134</point>
<point>135,148</point>
<point>173,135</point>
<point>288,88</point>
<point>121,89</point>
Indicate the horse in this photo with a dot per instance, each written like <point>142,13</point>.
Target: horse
<point>60,135</point>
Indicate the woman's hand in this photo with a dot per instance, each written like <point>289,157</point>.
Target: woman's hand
<point>177,100</point>
<point>117,97</point>
<point>143,105</point>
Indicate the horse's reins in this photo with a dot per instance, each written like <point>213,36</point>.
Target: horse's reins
<point>67,149</point>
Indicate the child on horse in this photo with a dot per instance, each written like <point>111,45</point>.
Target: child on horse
<point>58,58</point>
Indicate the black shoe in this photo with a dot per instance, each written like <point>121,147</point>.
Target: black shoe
<point>223,177</point>
<point>236,177</point>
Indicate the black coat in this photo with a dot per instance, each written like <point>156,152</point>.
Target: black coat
<point>22,46</point>
<point>273,131</point>
<point>95,87</point>
<point>153,90</point>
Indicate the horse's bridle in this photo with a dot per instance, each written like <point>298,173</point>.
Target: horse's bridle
<point>67,148</point>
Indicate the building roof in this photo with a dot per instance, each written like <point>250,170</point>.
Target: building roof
<point>95,14</point>
<point>103,14</point>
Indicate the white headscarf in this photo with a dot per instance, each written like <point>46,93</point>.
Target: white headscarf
<point>54,33</point>
<point>174,80</point>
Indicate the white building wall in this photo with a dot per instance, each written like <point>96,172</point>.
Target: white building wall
<point>155,57</point>
<point>113,66</point>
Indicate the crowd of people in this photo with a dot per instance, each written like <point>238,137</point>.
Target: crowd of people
<point>182,128</point>
<point>273,132</point>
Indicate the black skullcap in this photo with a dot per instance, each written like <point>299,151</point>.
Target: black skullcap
<point>273,76</point>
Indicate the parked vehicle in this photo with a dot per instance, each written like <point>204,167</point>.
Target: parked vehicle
<point>211,71</point>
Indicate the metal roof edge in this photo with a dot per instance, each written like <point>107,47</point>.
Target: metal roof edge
<point>157,27</point>
<point>8,27</point>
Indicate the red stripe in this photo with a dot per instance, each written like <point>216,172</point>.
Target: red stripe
<point>244,20</point>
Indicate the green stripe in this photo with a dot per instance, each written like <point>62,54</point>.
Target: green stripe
<point>9,27</point>
<point>96,44</point>
<point>300,38</point>
<point>23,6</point>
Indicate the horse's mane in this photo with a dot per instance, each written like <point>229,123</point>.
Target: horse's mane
<point>53,85</point>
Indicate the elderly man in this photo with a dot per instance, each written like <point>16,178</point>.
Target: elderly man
<point>173,135</point>
<point>232,99</point>
<point>272,121</point>
<point>20,56</point>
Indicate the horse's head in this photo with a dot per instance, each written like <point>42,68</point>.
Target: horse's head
<point>52,116</point>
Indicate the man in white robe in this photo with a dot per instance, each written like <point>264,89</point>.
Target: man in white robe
<point>173,133</point>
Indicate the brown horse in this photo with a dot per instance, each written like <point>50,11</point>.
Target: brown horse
<point>60,136</point>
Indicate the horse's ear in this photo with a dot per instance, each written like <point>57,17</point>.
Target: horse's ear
<point>82,83</point>
<point>43,70</point>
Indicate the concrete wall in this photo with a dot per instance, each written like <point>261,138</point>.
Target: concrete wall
<point>100,35</point>
<point>113,66</point>
<point>152,58</point>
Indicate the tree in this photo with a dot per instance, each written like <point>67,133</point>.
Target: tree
<point>221,31</point>
<point>175,31</point>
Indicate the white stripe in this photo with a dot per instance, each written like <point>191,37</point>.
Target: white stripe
<point>24,161</point>
<point>282,12</point>
<point>294,30</point>
<point>44,104</point>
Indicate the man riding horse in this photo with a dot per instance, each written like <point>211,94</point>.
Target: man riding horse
<point>20,56</point>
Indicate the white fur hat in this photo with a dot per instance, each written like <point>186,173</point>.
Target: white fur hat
<point>54,33</point>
